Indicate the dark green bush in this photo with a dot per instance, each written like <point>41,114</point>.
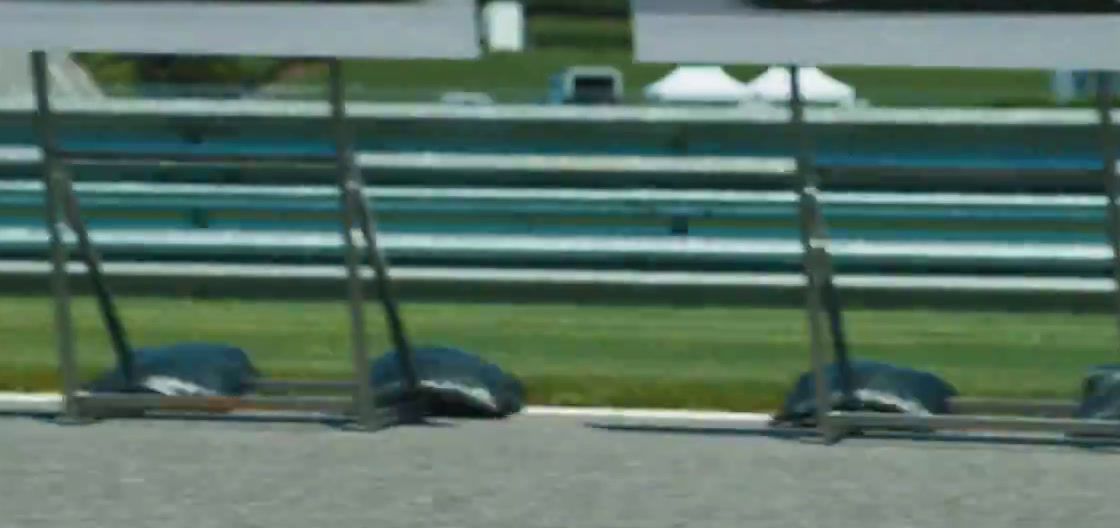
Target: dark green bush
<point>610,8</point>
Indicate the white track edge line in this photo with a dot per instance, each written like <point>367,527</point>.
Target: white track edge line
<point>29,397</point>
<point>651,414</point>
<point>20,401</point>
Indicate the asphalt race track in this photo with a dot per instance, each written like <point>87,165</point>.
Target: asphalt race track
<point>530,472</point>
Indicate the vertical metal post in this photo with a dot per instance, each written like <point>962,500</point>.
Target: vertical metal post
<point>816,231</point>
<point>363,392</point>
<point>385,290</point>
<point>117,335</point>
<point>811,253</point>
<point>1108,172</point>
<point>63,318</point>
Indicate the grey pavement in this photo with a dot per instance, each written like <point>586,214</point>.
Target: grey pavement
<point>367,30</point>
<point>737,32</point>
<point>532,472</point>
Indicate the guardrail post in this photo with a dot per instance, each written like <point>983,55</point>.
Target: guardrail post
<point>820,291</point>
<point>385,292</point>
<point>344,152</point>
<point>60,289</point>
<point>117,334</point>
<point>1111,183</point>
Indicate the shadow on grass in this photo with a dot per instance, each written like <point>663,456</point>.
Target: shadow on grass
<point>809,436</point>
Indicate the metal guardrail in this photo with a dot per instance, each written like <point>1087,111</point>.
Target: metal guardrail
<point>1058,255</point>
<point>187,242</point>
<point>693,249</point>
<point>763,114</point>
<point>645,196</point>
<point>537,279</point>
<point>668,204</point>
<point>882,148</point>
<point>506,163</point>
<point>279,281</point>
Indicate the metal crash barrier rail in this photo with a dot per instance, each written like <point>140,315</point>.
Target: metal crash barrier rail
<point>719,32</point>
<point>976,413</point>
<point>360,241</point>
<point>357,31</point>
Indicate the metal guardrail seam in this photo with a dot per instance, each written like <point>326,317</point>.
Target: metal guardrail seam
<point>763,114</point>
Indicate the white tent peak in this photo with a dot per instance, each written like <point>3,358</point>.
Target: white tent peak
<point>697,84</point>
<point>773,86</point>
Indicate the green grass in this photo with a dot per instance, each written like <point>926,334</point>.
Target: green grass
<point>720,358</point>
<point>506,76</point>
<point>525,77</point>
<point>578,32</point>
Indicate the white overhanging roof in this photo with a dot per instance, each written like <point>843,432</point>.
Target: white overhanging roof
<point>736,32</point>
<point>417,29</point>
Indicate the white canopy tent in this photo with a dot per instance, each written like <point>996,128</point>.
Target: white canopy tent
<point>773,86</point>
<point>697,84</point>
<point>713,85</point>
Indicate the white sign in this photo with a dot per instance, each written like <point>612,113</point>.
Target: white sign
<point>446,29</point>
<point>504,24</point>
<point>738,32</point>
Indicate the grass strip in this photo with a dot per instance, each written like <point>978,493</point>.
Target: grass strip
<point>649,356</point>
